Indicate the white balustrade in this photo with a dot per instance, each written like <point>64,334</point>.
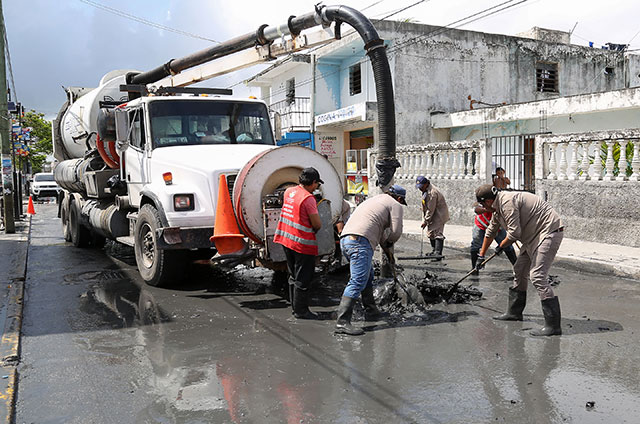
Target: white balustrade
<point>622,162</point>
<point>572,173</point>
<point>609,163</point>
<point>442,165</point>
<point>455,173</point>
<point>429,167</point>
<point>447,164</point>
<point>562,166</point>
<point>552,163</point>
<point>597,162</point>
<point>635,162</point>
<point>412,165</point>
<point>584,165</point>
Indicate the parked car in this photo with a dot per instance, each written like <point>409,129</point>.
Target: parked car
<point>43,185</point>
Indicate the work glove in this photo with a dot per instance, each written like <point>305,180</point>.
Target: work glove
<point>479,263</point>
<point>499,250</point>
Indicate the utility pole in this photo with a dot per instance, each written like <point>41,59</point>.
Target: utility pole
<point>7,163</point>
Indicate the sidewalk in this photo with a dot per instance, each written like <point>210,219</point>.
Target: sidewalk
<point>622,261</point>
<point>13,262</point>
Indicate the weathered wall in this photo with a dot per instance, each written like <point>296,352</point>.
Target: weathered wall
<point>459,195</point>
<point>440,71</point>
<point>601,211</point>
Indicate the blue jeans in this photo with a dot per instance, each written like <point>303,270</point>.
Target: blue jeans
<point>358,251</point>
<point>478,238</point>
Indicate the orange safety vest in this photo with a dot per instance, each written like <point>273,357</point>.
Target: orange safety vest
<point>291,232</point>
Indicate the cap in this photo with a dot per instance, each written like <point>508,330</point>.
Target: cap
<point>309,175</point>
<point>485,192</point>
<point>398,190</point>
<point>421,180</point>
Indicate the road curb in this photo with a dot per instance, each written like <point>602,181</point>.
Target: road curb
<point>10,342</point>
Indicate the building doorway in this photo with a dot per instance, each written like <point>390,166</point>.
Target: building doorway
<point>516,154</point>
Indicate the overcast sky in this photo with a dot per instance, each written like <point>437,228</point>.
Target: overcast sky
<point>56,43</point>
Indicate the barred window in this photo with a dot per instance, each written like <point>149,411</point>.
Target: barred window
<point>291,90</point>
<point>355,80</point>
<point>547,77</point>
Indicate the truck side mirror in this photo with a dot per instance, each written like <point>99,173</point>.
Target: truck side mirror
<point>122,127</point>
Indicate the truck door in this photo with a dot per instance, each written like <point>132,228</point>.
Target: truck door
<point>135,157</point>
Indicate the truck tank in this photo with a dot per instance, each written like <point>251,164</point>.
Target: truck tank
<point>78,117</point>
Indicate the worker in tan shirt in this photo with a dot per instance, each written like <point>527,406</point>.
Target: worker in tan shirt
<point>528,218</point>
<point>377,220</point>
<point>435,214</point>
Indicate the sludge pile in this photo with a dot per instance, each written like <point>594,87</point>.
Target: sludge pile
<point>392,298</point>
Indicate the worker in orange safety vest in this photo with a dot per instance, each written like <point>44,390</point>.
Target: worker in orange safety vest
<point>296,232</point>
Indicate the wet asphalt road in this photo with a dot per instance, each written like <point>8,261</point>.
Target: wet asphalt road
<point>98,346</point>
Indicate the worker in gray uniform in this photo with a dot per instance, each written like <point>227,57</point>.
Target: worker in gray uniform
<point>377,220</point>
<point>528,218</point>
<point>435,214</point>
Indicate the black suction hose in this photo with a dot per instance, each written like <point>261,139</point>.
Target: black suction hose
<point>387,163</point>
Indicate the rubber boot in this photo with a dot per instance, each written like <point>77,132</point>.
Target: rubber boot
<point>301,304</point>
<point>371,311</point>
<point>438,252</point>
<point>433,247</point>
<point>511,255</point>
<point>474,261</point>
<point>343,323</point>
<point>551,312</point>
<point>291,296</point>
<point>517,302</point>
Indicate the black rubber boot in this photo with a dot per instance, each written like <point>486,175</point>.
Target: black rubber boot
<point>511,255</point>
<point>301,304</point>
<point>343,324</point>
<point>437,255</point>
<point>291,296</point>
<point>371,311</point>
<point>517,302</point>
<point>474,261</point>
<point>551,312</point>
<point>433,247</point>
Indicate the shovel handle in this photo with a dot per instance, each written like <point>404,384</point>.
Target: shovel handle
<point>455,286</point>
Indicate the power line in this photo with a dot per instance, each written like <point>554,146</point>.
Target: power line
<point>145,21</point>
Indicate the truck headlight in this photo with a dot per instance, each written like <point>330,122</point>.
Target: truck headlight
<point>183,202</point>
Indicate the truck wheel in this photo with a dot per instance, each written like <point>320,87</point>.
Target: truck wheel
<point>158,267</point>
<point>80,235</point>
<point>64,217</point>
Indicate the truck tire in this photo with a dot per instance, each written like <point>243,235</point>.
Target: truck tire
<point>158,267</point>
<point>64,217</point>
<point>80,235</point>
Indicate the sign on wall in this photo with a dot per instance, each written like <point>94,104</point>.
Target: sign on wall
<point>329,146</point>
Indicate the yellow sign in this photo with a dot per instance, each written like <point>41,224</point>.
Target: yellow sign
<point>357,184</point>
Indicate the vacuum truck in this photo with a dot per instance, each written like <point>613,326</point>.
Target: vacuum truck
<point>179,172</point>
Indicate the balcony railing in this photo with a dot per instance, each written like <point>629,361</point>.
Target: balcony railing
<point>291,114</point>
<point>594,156</point>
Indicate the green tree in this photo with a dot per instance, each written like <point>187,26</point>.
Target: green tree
<point>42,144</point>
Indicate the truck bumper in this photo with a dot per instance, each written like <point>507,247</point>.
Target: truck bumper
<point>184,237</point>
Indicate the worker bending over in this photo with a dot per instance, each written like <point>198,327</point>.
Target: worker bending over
<point>528,218</point>
<point>361,234</point>
<point>296,232</point>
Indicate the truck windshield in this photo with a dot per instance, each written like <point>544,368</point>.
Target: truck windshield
<point>180,122</point>
<point>43,177</point>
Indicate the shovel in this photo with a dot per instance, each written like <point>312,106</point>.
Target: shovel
<point>449,293</point>
<point>414,295</point>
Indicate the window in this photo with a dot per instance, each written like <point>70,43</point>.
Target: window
<point>137,129</point>
<point>355,80</point>
<point>547,77</point>
<point>291,90</point>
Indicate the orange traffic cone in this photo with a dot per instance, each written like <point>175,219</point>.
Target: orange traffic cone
<point>226,234</point>
<point>30,209</point>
